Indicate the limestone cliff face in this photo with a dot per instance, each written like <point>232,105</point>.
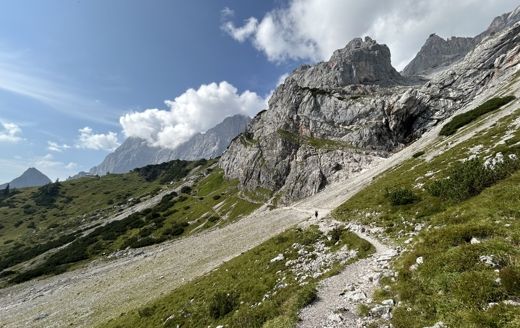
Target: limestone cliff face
<point>332,119</point>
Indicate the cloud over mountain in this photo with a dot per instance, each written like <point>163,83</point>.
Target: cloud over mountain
<point>196,110</point>
<point>97,141</point>
<point>313,29</point>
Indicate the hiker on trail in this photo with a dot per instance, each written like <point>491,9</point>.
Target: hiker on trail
<point>316,214</point>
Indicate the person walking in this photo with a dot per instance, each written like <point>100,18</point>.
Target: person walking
<point>316,214</point>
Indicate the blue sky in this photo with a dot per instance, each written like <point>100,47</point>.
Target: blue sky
<point>77,77</point>
<point>85,63</point>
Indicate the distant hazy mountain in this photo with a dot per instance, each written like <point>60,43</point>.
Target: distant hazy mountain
<point>136,152</point>
<point>30,178</point>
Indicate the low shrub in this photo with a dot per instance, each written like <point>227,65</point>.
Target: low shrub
<point>469,178</point>
<point>461,120</point>
<point>510,279</point>
<point>222,303</point>
<point>401,196</point>
<point>418,154</point>
<point>213,219</point>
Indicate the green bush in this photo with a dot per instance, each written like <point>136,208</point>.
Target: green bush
<point>186,190</point>
<point>222,303</point>
<point>47,195</point>
<point>461,120</point>
<point>469,178</point>
<point>418,154</point>
<point>335,235</point>
<point>401,196</point>
<point>307,295</point>
<point>510,278</point>
<point>146,312</point>
<point>213,219</point>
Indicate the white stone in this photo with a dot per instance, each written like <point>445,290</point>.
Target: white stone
<point>474,241</point>
<point>419,260</point>
<point>279,257</point>
<point>355,296</point>
<point>389,302</point>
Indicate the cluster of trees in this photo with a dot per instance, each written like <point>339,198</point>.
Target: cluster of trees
<point>168,171</point>
<point>48,194</point>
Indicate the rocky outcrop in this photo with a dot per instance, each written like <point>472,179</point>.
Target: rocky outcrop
<point>136,152</point>
<point>30,178</point>
<point>360,62</point>
<point>323,124</point>
<point>500,23</point>
<point>438,53</point>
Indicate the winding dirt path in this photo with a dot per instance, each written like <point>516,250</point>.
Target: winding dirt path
<point>88,296</point>
<point>333,309</point>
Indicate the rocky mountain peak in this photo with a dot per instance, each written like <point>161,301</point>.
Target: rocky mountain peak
<point>30,178</point>
<point>503,21</point>
<point>136,152</point>
<point>438,53</point>
<point>331,120</point>
<point>359,62</point>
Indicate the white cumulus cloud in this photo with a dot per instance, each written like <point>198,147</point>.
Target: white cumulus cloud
<point>98,141</point>
<point>56,147</point>
<point>192,112</point>
<point>10,132</point>
<point>313,29</point>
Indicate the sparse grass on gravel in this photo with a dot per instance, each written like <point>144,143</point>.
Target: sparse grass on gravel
<point>248,291</point>
<point>462,283</point>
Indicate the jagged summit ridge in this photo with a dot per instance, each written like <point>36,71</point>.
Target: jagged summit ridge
<point>319,130</point>
<point>359,62</point>
<point>438,53</point>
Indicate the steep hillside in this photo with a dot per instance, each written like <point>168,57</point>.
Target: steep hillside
<point>75,222</point>
<point>453,208</point>
<point>136,152</point>
<point>321,128</point>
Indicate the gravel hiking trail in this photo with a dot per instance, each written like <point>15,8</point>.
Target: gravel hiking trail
<point>332,309</point>
<point>106,288</point>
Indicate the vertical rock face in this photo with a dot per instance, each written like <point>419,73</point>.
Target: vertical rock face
<point>136,152</point>
<point>438,53</point>
<point>335,118</point>
<point>360,62</point>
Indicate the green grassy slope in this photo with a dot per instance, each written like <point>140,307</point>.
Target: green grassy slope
<point>251,290</point>
<point>81,201</point>
<point>469,231</point>
<point>209,201</point>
